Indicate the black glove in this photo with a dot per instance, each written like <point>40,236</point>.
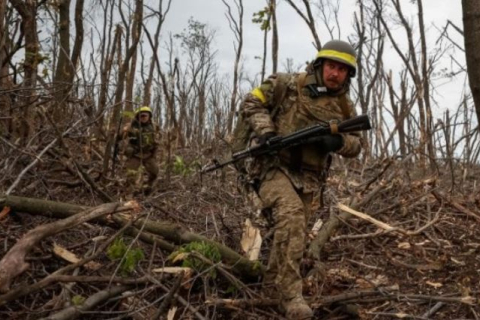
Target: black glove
<point>261,140</point>
<point>328,143</point>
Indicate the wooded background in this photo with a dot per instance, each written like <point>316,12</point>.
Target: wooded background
<point>97,61</point>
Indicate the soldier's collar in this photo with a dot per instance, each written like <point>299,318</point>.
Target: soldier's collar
<point>314,88</point>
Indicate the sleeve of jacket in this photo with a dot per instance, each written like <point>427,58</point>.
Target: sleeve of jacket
<point>257,105</point>
<point>352,142</point>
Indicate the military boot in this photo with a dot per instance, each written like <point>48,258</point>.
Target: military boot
<point>297,309</point>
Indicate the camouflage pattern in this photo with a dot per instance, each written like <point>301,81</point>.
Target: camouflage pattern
<point>286,183</point>
<point>134,171</point>
<point>141,139</point>
<point>141,154</point>
<point>290,211</point>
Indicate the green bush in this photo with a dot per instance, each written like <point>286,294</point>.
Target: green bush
<point>129,258</point>
<point>189,261</point>
<point>180,167</point>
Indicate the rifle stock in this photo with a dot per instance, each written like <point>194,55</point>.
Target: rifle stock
<point>278,143</point>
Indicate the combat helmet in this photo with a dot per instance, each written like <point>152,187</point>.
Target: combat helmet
<point>340,51</point>
<point>143,109</point>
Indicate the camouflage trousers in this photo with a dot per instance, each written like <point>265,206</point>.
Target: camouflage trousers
<point>134,171</point>
<point>290,210</point>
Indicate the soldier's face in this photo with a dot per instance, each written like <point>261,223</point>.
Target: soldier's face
<point>334,74</point>
<point>144,117</point>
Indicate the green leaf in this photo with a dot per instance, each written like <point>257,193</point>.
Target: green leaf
<point>189,261</point>
<point>117,249</point>
<point>78,300</point>
<point>129,259</point>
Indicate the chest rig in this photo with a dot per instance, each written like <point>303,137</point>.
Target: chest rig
<point>305,103</point>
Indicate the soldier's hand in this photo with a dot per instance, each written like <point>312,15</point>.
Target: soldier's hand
<point>263,139</point>
<point>328,143</point>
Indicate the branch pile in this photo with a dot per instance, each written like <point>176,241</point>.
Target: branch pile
<point>392,245</point>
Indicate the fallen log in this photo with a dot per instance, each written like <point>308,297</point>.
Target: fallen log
<point>167,231</point>
<point>74,312</point>
<point>180,235</point>
<point>13,263</point>
<point>58,210</point>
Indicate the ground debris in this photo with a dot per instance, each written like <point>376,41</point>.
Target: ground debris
<point>410,250</point>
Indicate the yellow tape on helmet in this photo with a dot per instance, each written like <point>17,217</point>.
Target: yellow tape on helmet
<point>259,94</point>
<point>347,58</point>
<point>143,109</point>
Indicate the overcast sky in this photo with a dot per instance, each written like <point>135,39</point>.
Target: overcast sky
<point>296,40</point>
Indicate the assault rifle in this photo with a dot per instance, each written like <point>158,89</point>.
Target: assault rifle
<point>300,137</point>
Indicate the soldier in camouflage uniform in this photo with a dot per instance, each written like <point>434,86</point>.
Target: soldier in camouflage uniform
<point>141,149</point>
<point>285,183</point>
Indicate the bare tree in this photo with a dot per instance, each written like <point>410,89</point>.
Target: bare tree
<point>196,42</point>
<point>66,64</point>
<point>64,67</point>
<point>5,101</point>
<point>236,25</point>
<point>161,19</point>
<point>369,43</point>
<point>273,12</point>
<point>117,107</point>
<point>309,20</point>
<point>411,62</point>
<point>28,11</point>
<point>471,25</point>
<point>263,18</point>
<point>328,11</point>
<point>106,58</point>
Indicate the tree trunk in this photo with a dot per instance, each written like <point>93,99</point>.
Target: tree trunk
<point>426,87</point>
<point>77,46</point>
<point>63,70</point>
<point>5,83</point>
<point>28,12</point>
<point>471,27</point>
<point>265,48</point>
<point>147,93</point>
<point>273,11</point>
<point>237,28</point>
<point>105,75</point>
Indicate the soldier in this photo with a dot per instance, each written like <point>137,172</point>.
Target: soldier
<point>141,148</point>
<point>285,183</point>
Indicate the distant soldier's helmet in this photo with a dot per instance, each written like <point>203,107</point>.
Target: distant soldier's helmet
<point>340,51</point>
<point>143,109</point>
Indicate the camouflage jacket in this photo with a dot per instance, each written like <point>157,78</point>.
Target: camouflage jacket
<point>297,110</point>
<point>142,139</point>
